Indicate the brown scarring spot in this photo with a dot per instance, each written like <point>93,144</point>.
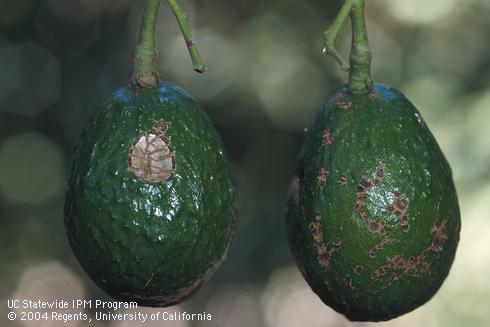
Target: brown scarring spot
<point>375,227</point>
<point>439,236</point>
<point>373,96</point>
<point>360,206</point>
<point>344,105</point>
<point>425,266</point>
<point>342,180</point>
<point>380,272</point>
<point>348,282</point>
<point>414,265</point>
<point>324,249</point>
<point>151,158</point>
<point>399,208</point>
<point>380,246</point>
<point>358,269</point>
<point>380,175</point>
<point>322,177</point>
<point>327,138</point>
<point>394,265</point>
<point>316,229</point>
<point>395,277</point>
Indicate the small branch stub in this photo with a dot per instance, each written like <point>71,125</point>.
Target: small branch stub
<point>359,67</point>
<point>181,16</point>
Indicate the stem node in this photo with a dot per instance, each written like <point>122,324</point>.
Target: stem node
<point>145,74</point>
<point>360,79</point>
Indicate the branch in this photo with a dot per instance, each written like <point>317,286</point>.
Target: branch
<point>197,62</point>
<point>330,36</point>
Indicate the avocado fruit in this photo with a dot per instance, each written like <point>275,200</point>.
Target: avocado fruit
<point>373,216</point>
<point>150,205</point>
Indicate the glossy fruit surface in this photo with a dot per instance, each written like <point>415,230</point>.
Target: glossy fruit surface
<point>373,213</point>
<point>150,205</point>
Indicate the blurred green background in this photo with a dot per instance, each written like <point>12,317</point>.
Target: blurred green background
<point>266,81</point>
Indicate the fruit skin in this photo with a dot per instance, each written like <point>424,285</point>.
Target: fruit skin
<point>150,243</point>
<point>380,164</point>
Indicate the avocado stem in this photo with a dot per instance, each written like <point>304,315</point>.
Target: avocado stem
<point>360,79</point>
<point>181,15</point>
<point>145,74</point>
<point>359,67</point>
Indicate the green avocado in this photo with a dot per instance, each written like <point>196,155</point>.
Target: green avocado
<point>373,216</point>
<point>151,204</point>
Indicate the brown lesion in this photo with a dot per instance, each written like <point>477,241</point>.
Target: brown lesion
<point>358,269</point>
<point>439,236</point>
<point>327,138</point>
<point>399,208</point>
<point>324,249</point>
<point>151,158</point>
<point>362,197</point>
<point>344,105</point>
<point>342,180</point>
<point>348,282</point>
<point>337,243</point>
<point>322,177</point>
<point>363,187</point>
<point>379,229</point>
<point>373,96</point>
<point>398,266</point>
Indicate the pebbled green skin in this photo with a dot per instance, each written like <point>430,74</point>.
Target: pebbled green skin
<point>153,244</point>
<point>327,233</point>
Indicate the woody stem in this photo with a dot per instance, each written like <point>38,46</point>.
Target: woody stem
<point>360,79</point>
<point>145,74</point>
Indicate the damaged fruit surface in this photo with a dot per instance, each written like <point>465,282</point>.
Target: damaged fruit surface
<point>150,206</point>
<point>373,214</point>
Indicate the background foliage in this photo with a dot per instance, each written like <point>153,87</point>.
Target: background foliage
<point>266,81</point>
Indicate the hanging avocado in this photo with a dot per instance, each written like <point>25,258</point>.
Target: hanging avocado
<point>150,205</point>
<point>373,214</point>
